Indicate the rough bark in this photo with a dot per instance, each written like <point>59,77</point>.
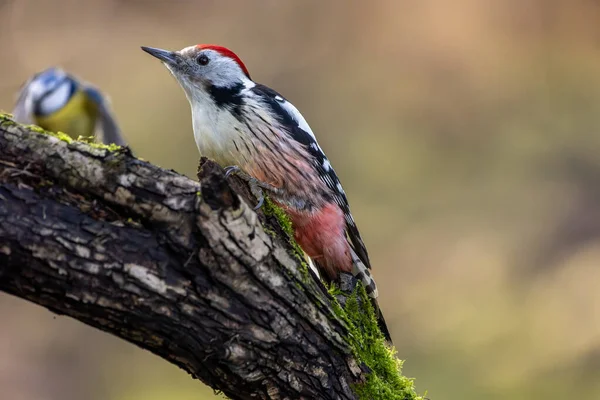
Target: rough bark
<point>181,268</point>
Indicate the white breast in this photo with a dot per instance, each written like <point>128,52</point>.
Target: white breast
<point>215,133</point>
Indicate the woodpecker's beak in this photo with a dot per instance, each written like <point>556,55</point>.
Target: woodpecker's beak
<point>169,57</point>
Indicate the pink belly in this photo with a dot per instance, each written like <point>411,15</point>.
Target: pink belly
<point>322,235</point>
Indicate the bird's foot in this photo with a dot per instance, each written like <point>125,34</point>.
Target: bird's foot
<point>256,186</point>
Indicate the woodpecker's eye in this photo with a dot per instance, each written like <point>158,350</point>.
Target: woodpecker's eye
<point>203,59</point>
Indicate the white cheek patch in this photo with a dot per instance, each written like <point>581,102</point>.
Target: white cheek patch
<point>56,100</point>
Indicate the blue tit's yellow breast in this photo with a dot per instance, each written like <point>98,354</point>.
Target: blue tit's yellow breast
<point>76,118</point>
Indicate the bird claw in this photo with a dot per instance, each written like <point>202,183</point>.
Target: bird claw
<point>232,169</point>
<point>255,184</point>
<point>261,201</point>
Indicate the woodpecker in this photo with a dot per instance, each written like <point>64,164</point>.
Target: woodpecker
<point>57,101</point>
<point>255,132</point>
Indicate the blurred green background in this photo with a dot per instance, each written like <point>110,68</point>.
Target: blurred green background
<point>466,134</point>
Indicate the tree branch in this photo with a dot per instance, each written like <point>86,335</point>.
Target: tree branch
<point>184,269</point>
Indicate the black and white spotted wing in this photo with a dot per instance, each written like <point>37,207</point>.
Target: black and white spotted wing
<point>299,130</point>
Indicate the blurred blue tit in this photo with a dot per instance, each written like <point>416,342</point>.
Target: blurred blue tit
<point>57,101</point>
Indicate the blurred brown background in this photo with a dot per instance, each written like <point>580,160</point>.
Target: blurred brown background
<point>467,136</point>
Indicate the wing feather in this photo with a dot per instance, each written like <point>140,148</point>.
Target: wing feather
<point>23,110</point>
<point>109,130</point>
<point>299,130</point>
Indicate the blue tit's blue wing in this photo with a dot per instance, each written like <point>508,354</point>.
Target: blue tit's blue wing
<point>110,131</point>
<point>23,110</point>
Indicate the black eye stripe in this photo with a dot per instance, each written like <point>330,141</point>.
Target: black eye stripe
<point>202,59</point>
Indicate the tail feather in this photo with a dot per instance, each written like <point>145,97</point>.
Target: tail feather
<point>381,322</point>
<point>362,273</point>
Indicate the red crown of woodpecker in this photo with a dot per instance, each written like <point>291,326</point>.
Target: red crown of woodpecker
<point>224,51</point>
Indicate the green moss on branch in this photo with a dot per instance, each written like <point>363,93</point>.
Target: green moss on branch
<point>7,119</point>
<point>385,379</point>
